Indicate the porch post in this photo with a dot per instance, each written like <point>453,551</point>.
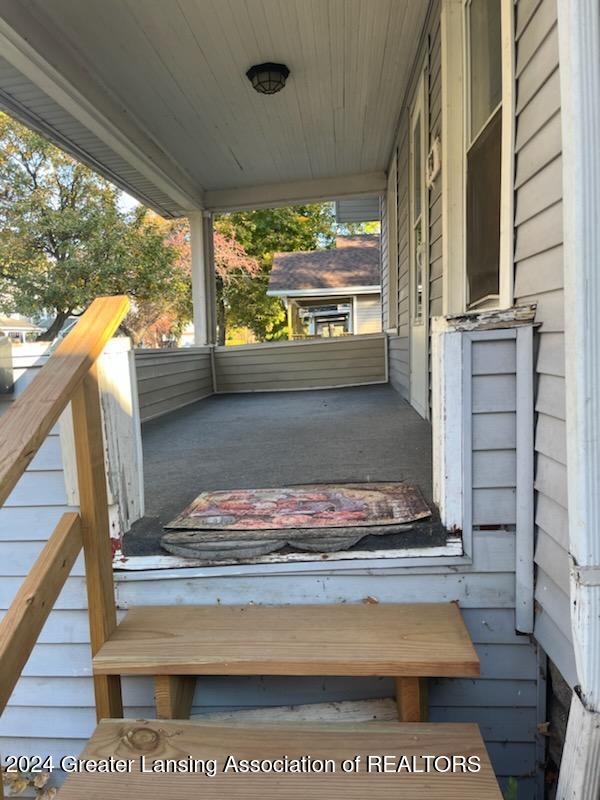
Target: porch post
<point>203,291</point>
<point>579,56</point>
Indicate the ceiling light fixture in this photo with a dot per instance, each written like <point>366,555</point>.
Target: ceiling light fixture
<point>268,78</point>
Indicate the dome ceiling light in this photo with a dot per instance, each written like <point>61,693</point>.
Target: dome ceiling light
<point>268,78</point>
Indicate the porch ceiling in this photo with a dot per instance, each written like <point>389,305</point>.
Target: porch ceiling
<point>154,93</point>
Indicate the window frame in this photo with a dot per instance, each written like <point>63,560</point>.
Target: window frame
<point>456,139</point>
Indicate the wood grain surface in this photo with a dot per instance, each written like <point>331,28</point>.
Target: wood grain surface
<point>425,640</point>
<point>159,740</point>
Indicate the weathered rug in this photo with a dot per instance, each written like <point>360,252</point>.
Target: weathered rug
<point>316,506</point>
<point>245,523</point>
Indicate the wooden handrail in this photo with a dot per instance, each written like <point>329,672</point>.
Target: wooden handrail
<point>22,623</point>
<point>70,374</point>
<point>29,420</point>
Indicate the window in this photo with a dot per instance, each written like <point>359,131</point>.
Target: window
<point>483,150</point>
<point>418,243</point>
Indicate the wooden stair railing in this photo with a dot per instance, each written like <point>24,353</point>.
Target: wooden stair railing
<point>70,375</point>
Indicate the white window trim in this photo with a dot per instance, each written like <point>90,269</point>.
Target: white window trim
<point>454,167</point>
<point>391,199</point>
<point>418,108</point>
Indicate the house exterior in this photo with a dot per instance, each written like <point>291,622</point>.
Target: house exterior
<point>19,331</point>
<point>332,292</point>
<point>475,123</point>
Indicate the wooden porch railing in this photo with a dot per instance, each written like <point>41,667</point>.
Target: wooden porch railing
<point>70,375</point>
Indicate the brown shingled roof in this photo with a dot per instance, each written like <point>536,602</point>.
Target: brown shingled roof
<point>353,262</point>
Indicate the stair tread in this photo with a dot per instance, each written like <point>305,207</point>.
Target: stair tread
<point>424,639</point>
<point>182,740</point>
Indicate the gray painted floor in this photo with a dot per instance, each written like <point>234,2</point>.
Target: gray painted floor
<point>262,440</point>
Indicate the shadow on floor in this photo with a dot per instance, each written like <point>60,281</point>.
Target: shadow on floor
<point>262,440</point>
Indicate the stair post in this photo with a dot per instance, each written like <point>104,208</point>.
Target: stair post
<point>93,503</point>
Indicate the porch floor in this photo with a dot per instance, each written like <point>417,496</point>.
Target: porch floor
<point>268,440</point>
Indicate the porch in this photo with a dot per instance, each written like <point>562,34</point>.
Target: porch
<point>355,434</point>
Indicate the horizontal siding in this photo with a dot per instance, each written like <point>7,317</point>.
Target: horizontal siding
<point>170,379</point>
<point>368,313</point>
<point>539,279</point>
<point>399,368</point>
<point>346,361</point>
<point>52,711</point>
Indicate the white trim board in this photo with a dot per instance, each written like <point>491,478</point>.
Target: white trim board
<point>450,553</point>
<point>332,292</point>
<point>454,163</point>
<point>283,194</point>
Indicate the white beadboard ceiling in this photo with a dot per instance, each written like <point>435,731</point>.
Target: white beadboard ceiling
<point>170,74</point>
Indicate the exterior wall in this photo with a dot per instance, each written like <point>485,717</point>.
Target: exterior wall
<point>170,379</point>
<point>322,363</point>
<point>539,278</point>
<point>399,368</point>
<point>368,313</point>
<point>430,52</point>
<point>52,708</point>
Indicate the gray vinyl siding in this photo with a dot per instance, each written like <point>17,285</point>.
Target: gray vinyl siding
<point>52,708</point>
<point>398,346</point>
<point>539,279</point>
<point>345,361</point>
<point>399,368</point>
<point>170,379</point>
<point>368,313</point>
<point>399,364</point>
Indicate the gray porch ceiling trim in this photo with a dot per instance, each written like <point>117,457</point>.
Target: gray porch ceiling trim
<point>95,110</point>
<point>281,194</point>
<point>155,97</point>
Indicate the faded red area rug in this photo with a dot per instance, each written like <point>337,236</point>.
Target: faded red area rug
<point>304,507</point>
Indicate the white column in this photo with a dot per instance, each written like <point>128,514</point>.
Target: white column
<point>199,287</point>
<point>579,53</point>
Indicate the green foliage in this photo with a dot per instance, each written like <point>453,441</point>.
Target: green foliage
<point>262,233</point>
<point>512,789</point>
<point>63,238</point>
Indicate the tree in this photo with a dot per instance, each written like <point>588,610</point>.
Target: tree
<point>262,233</point>
<point>64,239</point>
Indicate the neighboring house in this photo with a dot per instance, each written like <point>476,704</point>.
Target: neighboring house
<point>18,330</point>
<point>332,292</point>
<point>475,124</point>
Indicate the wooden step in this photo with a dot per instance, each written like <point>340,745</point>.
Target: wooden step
<point>424,640</point>
<point>190,741</point>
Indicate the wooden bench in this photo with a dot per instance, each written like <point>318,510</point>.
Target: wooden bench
<point>444,744</point>
<point>174,644</point>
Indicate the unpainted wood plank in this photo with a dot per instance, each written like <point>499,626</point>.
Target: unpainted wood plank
<point>168,739</point>
<point>173,695</point>
<point>28,421</point>
<point>411,699</point>
<point>97,549</point>
<point>425,639</point>
<point>23,622</point>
